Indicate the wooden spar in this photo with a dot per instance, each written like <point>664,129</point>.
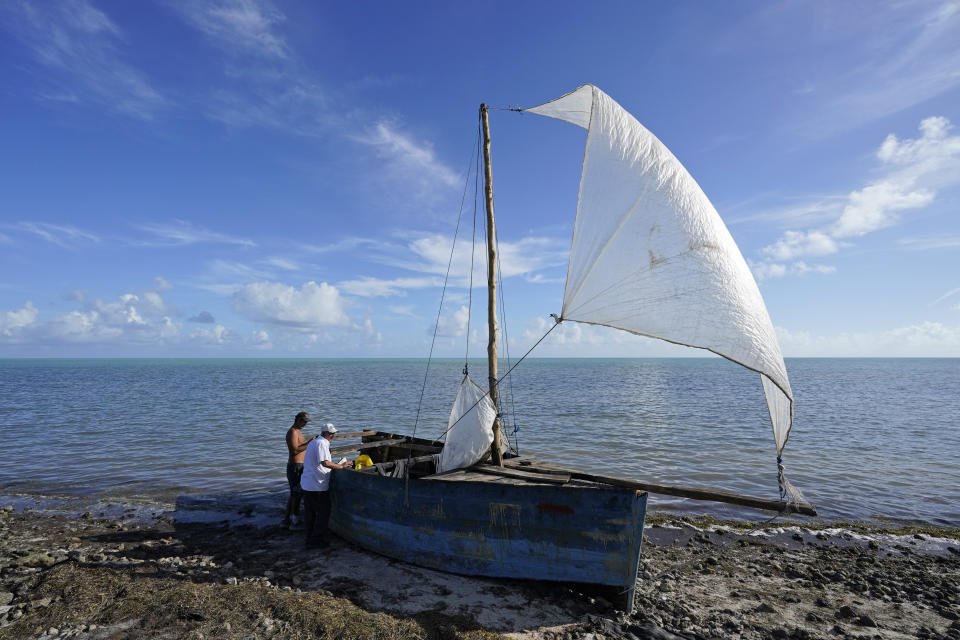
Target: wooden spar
<point>711,495</point>
<point>495,448</point>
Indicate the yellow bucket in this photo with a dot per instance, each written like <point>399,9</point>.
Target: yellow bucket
<point>362,461</point>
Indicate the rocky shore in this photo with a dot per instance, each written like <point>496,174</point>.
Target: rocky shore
<point>91,577</point>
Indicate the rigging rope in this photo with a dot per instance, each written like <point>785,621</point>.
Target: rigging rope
<point>506,349</point>
<point>557,320</point>
<point>443,293</point>
<point>473,246</point>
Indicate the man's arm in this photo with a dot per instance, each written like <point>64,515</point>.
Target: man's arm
<point>330,464</point>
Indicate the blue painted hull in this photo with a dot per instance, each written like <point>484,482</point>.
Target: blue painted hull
<point>532,531</point>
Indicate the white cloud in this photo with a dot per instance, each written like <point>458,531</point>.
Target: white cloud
<point>430,254</point>
<point>948,294</point>
<point>877,206</point>
<point>260,340</point>
<point>217,335</point>
<point>13,322</point>
<point>153,304</point>
<point>411,162</point>
<point>238,26</point>
<point>936,242</point>
<point>131,319</point>
<point>802,243</point>
<point>82,47</point>
<point>916,170</point>
<point>282,263</point>
<point>263,83</point>
<point>62,235</point>
<point>896,55</point>
<point>369,287</point>
<point>766,270</point>
<point>310,307</point>
<point>402,310</point>
<point>922,340</point>
<point>452,325</point>
<point>347,244</point>
<point>181,232</point>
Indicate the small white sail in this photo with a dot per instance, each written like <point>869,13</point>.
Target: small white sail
<point>651,256</point>
<point>469,429</point>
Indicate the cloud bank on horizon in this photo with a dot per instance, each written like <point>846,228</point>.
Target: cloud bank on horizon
<point>287,179</point>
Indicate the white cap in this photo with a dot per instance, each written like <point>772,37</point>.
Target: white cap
<point>329,428</point>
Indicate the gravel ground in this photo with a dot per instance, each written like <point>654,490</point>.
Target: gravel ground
<point>66,577</point>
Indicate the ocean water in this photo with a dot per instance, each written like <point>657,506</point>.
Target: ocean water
<point>873,439</point>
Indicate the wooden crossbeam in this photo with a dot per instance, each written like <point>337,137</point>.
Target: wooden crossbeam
<point>355,434</point>
<point>532,475</point>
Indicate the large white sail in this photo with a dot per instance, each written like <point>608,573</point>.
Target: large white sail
<point>651,256</point>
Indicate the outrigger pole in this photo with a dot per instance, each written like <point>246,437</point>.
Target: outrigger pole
<point>495,448</point>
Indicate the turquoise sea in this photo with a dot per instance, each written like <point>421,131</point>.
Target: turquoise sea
<point>872,439</point>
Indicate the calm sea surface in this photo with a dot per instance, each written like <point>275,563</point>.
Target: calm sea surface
<point>872,439</point>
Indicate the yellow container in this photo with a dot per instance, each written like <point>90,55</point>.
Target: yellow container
<point>362,461</point>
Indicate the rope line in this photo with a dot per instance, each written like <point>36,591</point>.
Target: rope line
<point>557,321</point>
<point>436,325</point>
<point>473,251</point>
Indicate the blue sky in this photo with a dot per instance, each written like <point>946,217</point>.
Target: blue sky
<point>254,178</point>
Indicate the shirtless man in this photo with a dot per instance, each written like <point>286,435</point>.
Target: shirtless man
<point>296,446</point>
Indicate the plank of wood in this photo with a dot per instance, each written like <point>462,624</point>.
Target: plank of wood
<point>549,478</point>
<point>523,463</point>
<point>355,434</point>
<point>390,465</point>
<point>353,448</point>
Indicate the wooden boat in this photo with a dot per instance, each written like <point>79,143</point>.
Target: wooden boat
<point>522,520</point>
<point>650,255</point>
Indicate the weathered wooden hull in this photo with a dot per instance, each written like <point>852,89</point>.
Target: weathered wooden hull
<point>533,531</point>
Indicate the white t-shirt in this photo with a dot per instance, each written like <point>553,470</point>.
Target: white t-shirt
<point>316,477</point>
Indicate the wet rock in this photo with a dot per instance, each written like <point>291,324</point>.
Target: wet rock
<point>5,598</point>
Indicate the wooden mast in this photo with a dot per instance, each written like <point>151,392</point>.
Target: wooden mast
<point>495,453</point>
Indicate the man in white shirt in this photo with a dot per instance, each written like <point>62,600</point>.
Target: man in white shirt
<point>315,482</point>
